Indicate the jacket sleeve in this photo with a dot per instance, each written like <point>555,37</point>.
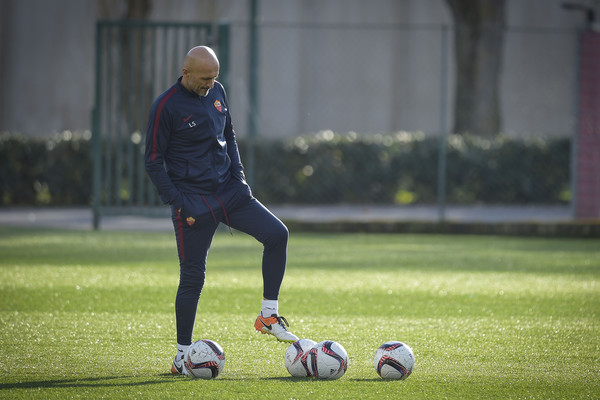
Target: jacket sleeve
<point>157,139</point>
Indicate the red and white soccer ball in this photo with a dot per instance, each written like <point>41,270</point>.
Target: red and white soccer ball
<point>204,359</point>
<point>327,360</point>
<point>394,360</point>
<point>294,361</point>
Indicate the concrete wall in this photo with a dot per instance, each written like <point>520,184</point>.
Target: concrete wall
<point>47,65</point>
<point>345,65</point>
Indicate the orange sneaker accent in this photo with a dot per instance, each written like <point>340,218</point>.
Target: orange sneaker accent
<point>276,326</point>
<point>177,368</point>
<point>263,325</point>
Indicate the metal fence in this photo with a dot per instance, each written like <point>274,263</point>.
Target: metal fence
<point>423,164</point>
<point>135,62</point>
<point>363,153</point>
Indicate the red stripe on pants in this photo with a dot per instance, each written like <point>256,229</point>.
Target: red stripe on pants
<point>180,237</point>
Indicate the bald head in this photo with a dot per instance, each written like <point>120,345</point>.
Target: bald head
<point>200,70</point>
<point>202,55</point>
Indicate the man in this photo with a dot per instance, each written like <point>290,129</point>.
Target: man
<point>193,160</point>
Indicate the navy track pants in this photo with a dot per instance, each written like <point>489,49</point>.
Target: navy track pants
<point>195,226</point>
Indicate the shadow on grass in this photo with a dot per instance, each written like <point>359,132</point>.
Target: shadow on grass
<point>307,379</point>
<point>286,379</point>
<point>105,381</point>
<point>113,381</point>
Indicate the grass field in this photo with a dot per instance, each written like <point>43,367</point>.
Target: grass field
<point>91,315</point>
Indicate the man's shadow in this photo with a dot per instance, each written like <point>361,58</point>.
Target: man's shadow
<point>104,381</point>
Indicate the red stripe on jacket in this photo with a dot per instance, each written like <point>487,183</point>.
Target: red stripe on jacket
<point>157,119</point>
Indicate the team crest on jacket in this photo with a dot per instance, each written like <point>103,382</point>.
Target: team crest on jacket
<point>218,105</point>
<point>190,221</point>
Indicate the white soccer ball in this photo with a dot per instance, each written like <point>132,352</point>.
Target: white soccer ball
<point>204,359</point>
<point>394,360</point>
<point>327,360</point>
<point>295,364</point>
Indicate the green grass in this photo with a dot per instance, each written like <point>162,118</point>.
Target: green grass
<point>91,315</point>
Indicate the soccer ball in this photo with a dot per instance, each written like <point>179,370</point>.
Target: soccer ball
<point>204,359</point>
<point>327,360</point>
<point>294,361</point>
<point>394,360</point>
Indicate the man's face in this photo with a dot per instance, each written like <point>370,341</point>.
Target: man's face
<point>200,78</point>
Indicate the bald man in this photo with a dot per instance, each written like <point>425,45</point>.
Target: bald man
<point>193,160</point>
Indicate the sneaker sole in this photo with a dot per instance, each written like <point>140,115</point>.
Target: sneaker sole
<point>280,340</point>
<point>175,371</point>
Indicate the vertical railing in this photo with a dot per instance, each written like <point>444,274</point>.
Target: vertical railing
<point>135,62</point>
<point>441,181</point>
<point>253,94</point>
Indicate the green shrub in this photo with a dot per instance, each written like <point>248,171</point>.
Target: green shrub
<point>54,171</point>
<point>403,168</point>
<point>325,168</point>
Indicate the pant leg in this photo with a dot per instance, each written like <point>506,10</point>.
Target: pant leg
<point>194,231</point>
<point>253,218</point>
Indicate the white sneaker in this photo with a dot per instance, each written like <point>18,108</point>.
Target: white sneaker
<point>275,325</point>
<point>178,368</point>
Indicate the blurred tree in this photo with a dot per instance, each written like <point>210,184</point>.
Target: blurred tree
<point>478,40</point>
<point>129,9</point>
<point>138,9</point>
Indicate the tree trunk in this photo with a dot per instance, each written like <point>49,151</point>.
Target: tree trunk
<point>138,9</point>
<point>479,38</point>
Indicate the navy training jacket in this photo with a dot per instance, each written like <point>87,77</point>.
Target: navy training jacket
<point>190,143</point>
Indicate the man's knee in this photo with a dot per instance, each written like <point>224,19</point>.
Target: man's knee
<point>192,275</point>
<point>278,236</point>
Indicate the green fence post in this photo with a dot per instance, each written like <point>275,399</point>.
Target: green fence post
<point>253,88</point>
<point>441,187</point>
<point>96,138</point>
<point>224,57</point>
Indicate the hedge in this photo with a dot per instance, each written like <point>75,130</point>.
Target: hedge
<point>403,168</point>
<point>323,168</point>
<point>53,171</point>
